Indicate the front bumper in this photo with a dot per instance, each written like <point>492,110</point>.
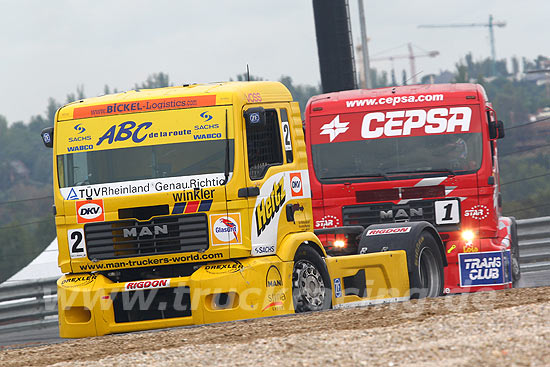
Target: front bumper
<point>92,305</point>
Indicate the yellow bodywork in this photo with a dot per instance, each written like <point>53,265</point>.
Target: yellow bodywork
<point>255,287</point>
<point>243,269</point>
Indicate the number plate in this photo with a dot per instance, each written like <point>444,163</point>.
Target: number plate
<point>447,212</point>
<point>77,246</point>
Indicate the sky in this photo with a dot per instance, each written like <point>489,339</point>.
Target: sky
<point>49,48</point>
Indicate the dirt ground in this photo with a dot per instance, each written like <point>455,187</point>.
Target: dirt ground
<point>509,327</point>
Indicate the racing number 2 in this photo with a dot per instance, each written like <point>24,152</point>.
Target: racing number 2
<point>77,246</point>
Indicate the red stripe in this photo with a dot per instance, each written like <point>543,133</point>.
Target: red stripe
<point>272,304</point>
<point>192,207</point>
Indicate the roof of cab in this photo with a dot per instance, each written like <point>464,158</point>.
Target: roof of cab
<point>454,93</point>
<point>225,92</point>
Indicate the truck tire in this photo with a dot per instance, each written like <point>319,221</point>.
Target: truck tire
<point>311,289</point>
<point>426,275</point>
<point>514,254</point>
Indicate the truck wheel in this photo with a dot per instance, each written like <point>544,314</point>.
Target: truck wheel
<point>426,277</point>
<point>514,254</point>
<point>311,289</point>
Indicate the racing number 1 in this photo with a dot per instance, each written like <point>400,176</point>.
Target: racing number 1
<point>447,211</point>
<point>77,247</point>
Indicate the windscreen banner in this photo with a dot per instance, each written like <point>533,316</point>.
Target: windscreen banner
<point>142,129</point>
<point>395,124</point>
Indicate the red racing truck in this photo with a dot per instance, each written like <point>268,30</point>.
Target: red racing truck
<point>385,158</point>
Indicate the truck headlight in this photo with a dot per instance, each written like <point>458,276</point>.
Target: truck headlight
<point>468,235</point>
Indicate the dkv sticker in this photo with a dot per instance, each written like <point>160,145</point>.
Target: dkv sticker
<point>90,211</point>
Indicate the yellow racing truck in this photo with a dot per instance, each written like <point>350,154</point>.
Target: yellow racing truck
<point>191,205</point>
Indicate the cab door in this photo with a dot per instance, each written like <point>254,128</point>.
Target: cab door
<point>269,167</point>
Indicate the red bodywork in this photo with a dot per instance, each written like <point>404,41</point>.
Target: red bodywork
<point>336,121</point>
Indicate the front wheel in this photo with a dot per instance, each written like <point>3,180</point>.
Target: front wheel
<point>311,289</point>
<point>426,275</point>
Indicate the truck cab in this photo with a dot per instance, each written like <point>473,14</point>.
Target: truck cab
<point>415,153</point>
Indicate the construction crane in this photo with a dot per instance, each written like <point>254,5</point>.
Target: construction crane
<point>411,56</point>
<point>490,25</point>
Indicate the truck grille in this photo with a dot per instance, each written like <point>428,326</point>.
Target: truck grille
<point>151,304</point>
<point>368,214</point>
<point>161,235</point>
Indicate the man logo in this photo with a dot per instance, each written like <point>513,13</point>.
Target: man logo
<point>273,277</point>
<point>296,184</point>
<point>90,211</point>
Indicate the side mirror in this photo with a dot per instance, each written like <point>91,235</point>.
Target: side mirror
<point>255,116</point>
<point>47,137</point>
<point>496,130</point>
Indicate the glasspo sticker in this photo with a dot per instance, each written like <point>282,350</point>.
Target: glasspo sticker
<point>90,211</point>
<point>225,228</point>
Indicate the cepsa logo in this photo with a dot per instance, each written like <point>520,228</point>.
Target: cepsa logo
<point>225,228</point>
<point>90,211</point>
<point>296,184</point>
<point>416,122</point>
<point>268,207</point>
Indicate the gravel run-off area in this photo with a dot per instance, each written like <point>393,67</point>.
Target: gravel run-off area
<point>500,328</point>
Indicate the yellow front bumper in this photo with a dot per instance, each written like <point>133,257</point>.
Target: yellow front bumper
<point>92,305</point>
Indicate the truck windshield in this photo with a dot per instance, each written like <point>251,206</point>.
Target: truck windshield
<point>381,159</point>
<point>142,163</point>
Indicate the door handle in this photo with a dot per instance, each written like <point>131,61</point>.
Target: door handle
<point>247,192</point>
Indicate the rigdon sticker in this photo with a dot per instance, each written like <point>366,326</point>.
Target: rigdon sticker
<point>274,195</point>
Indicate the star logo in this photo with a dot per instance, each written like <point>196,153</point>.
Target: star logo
<point>334,128</point>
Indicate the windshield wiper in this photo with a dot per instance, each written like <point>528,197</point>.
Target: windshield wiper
<point>423,170</point>
<point>379,174</point>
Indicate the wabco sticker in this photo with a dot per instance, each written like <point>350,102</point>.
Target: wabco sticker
<point>90,211</point>
<point>484,268</point>
<point>225,229</point>
<point>296,184</point>
<point>147,284</point>
<point>376,232</point>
